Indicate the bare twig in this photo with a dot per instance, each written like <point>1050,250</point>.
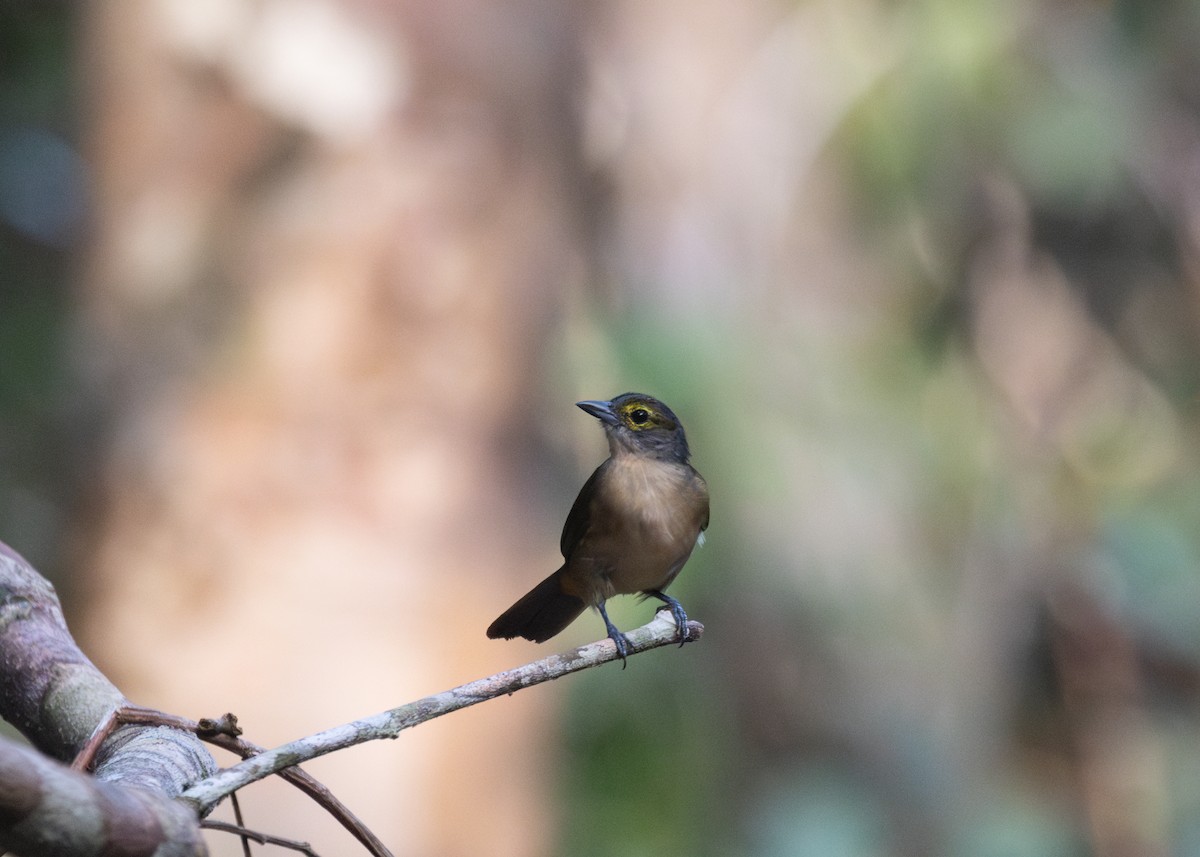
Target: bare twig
<point>260,838</point>
<point>660,631</point>
<point>105,728</point>
<point>240,822</point>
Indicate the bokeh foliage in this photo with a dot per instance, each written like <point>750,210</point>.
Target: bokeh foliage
<point>952,578</point>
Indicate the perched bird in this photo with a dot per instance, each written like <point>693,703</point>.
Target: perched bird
<point>632,527</point>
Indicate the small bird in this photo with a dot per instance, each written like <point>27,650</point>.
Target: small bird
<point>631,529</point>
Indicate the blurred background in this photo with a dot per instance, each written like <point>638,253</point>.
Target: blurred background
<point>296,297</point>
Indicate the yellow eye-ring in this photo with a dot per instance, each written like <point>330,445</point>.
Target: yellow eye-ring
<point>642,416</point>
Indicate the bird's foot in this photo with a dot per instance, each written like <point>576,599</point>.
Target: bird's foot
<point>677,613</point>
<point>619,640</point>
<point>622,644</point>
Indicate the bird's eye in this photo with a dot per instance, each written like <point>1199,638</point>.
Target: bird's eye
<point>639,416</point>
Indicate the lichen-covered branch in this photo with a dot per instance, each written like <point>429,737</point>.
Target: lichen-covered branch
<point>48,810</point>
<point>50,691</point>
<point>661,631</point>
<point>56,697</point>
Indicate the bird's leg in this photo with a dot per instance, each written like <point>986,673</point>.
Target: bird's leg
<point>619,639</point>
<point>676,612</point>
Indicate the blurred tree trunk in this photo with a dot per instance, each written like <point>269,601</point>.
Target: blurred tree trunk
<point>329,240</point>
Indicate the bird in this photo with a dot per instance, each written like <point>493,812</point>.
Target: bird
<point>631,529</point>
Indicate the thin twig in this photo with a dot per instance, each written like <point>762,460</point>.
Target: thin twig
<point>260,838</point>
<point>240,822</point>
<point>84,758</point>
<point>660,631</point>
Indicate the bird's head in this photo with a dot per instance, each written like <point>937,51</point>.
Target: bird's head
<point>640,424</point>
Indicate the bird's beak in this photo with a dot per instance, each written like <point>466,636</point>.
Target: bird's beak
<point>602,411</point>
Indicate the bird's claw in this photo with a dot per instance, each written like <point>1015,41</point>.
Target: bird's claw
<point>677,614</point>
<point>619,640</point>
<point>622,644</point>
<point>681,621</point>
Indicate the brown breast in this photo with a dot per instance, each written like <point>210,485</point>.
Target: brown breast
<point>644,521</point>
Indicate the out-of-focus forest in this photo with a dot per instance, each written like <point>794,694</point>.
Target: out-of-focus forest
<point>296,297</point>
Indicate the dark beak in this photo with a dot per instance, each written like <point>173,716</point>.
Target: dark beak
<point>602,411</point>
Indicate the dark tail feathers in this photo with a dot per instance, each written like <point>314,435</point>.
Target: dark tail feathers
<point>540,614</point>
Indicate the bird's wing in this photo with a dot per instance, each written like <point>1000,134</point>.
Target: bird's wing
<point>580,514</point>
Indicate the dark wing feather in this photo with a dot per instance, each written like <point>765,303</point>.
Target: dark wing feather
<point>580,515</point>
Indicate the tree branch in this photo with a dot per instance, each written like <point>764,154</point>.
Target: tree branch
<point>51,692</point>
<point>55,696</point>
<point>48,810</point>
<point>660,631</point>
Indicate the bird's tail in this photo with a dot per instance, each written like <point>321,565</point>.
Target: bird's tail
<point>540,614</point>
